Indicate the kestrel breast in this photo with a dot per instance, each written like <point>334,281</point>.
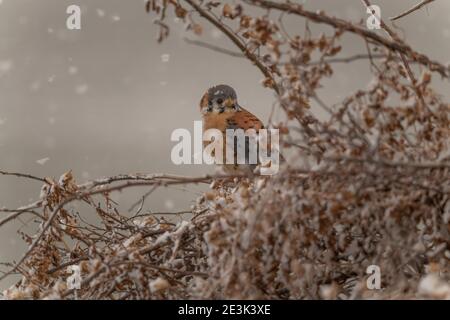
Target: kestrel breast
<point>241,119</point>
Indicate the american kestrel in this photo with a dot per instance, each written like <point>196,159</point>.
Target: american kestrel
<point>221,110</point>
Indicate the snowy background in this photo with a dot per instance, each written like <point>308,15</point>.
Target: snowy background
<point>104,100</point>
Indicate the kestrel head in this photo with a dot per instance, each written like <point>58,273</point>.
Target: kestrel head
<point>219,99</point>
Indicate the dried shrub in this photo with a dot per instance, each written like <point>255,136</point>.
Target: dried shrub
<point>368,185</point>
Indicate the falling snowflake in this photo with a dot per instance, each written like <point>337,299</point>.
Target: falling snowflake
<point>49,142</point>
<point>35,86</point>
<point>100,13</point>
<point>446,33</point>
<point>81,89</point>
<point>23,20</point>
<point>42,161</point>
<point>73,70</point>
<point>165,57</point>
<point>169,204</point>
<point>216,34</point>
<point>5,66</point>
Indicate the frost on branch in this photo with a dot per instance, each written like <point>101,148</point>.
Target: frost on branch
<point>367,185</point>
<point>293,236</point>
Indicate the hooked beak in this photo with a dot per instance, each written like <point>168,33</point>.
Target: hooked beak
<point>229,103</point>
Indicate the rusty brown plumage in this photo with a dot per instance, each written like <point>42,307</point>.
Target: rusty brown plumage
<point>221,111</point>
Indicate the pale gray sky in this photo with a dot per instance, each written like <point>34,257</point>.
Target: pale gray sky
<point>104,100</point>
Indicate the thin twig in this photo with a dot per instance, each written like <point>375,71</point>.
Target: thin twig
<point>215,48</point>
<point>23,175</point>
<point>142,201</point>
<point>411,10</point>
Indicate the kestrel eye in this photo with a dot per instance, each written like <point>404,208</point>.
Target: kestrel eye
<point>219,101</point>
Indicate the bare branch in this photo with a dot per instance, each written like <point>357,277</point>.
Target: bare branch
<point>22,175</point>
<point>347,26</point>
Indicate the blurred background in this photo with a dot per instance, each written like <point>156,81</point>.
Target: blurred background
<point>105,99</point>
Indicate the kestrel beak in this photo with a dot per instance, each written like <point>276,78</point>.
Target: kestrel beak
<point>229,103</point>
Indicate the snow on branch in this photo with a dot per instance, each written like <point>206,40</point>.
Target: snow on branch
<point>367,186</point>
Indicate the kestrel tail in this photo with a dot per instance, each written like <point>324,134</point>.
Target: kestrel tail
<point>221,110</point>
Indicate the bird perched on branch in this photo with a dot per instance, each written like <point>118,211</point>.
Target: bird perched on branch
<point>221,110</point>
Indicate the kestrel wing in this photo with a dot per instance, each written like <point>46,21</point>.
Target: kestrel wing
<point>244,120</point>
